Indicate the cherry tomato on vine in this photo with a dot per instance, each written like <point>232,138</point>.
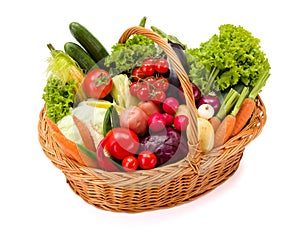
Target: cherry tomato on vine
<point>97,83</point>
<point>158,96</point>
<point>147,160</point>
<point>150,80</point>
<point>148,67</point>
<point>161,84</point>
<point>143,93</point>
<point>130,163</point>
<point>137,74</point>
<point>134,87</point>
<point>161,66</point>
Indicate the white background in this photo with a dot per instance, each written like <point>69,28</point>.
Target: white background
<point>261,197</point>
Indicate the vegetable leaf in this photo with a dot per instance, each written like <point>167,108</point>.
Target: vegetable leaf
<point>59,98</point>
<point>125,57</point>
<point>234,53</point>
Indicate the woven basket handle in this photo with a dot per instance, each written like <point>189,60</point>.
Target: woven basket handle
<point>185,83</point>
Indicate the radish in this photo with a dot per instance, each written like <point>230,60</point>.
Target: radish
<point>181,122</point>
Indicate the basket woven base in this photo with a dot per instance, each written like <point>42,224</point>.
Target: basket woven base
<point>117,204</point>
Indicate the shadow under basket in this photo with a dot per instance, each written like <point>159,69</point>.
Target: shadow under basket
<point>161,187</point>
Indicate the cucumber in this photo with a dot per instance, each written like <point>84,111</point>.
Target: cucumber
<point>87,40</point>
<point>76,52</point>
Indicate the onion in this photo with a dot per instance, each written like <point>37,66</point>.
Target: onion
<point>196,92</point>
<point>211,100</point>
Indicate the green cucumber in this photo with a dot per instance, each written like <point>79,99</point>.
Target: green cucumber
<point>107,121</point>
<point>76,52</point>
<point>88,41</point>
<point>111,120</point>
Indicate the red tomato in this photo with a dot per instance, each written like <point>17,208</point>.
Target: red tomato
<point>143,93</point>
<point>148,67</point>
<point>137,74</point>
<point>147,160</point>
<point>134,87</point>
<point>130,163</point>
<point>150,80</point>
<point>161,84</point>
<point>161,66</point>
<point>97,83</point>
<point>121,142</point>
<point>158,96</point>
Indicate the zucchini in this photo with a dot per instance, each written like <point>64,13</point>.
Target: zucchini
<point>87,40</point>
<point>76,52</point>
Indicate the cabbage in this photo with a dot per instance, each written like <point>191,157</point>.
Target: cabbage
<point>120,91</point>
<point>168,145</point>
<point>92,116</point>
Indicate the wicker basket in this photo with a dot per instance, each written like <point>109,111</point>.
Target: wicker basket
<point>165,186</point>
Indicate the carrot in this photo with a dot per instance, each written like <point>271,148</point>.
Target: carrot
<point>224,109</point>
<point>215,122</point>
<point>52,126</point>
<point>224,130</point>
<point>248,106</point>
<point>243,115</point>
<point>69,147</point>
<point>85,134</point>
<point>226,127</point>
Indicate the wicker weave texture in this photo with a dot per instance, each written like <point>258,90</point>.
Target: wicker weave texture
<point>165,186</point>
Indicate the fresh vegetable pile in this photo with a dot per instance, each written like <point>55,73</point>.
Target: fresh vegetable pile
<point>126,110</point>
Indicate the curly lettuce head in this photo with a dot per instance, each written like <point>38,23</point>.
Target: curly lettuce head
<point>235,54</point>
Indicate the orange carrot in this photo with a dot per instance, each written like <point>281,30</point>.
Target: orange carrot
<point>224,131</point>
<point>69,147</point>
<point>243,115</point>
<point>226,127</point>
<point>52,126</point>
<point>85,134</point>
<point>215,122</point>
<point>248,105</point>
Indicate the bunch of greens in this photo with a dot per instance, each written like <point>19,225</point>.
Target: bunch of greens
<point>59,97</point>
<point>125,57</point>
<point>234,57</point>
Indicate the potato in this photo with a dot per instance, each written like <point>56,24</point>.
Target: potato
<point>149,107</point>
<point>206,135</point>
<point>135,119</point>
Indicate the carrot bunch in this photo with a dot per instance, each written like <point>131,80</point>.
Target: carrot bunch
<point>225,129</point>
<point>228,124</point>
<point>224,109</point>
